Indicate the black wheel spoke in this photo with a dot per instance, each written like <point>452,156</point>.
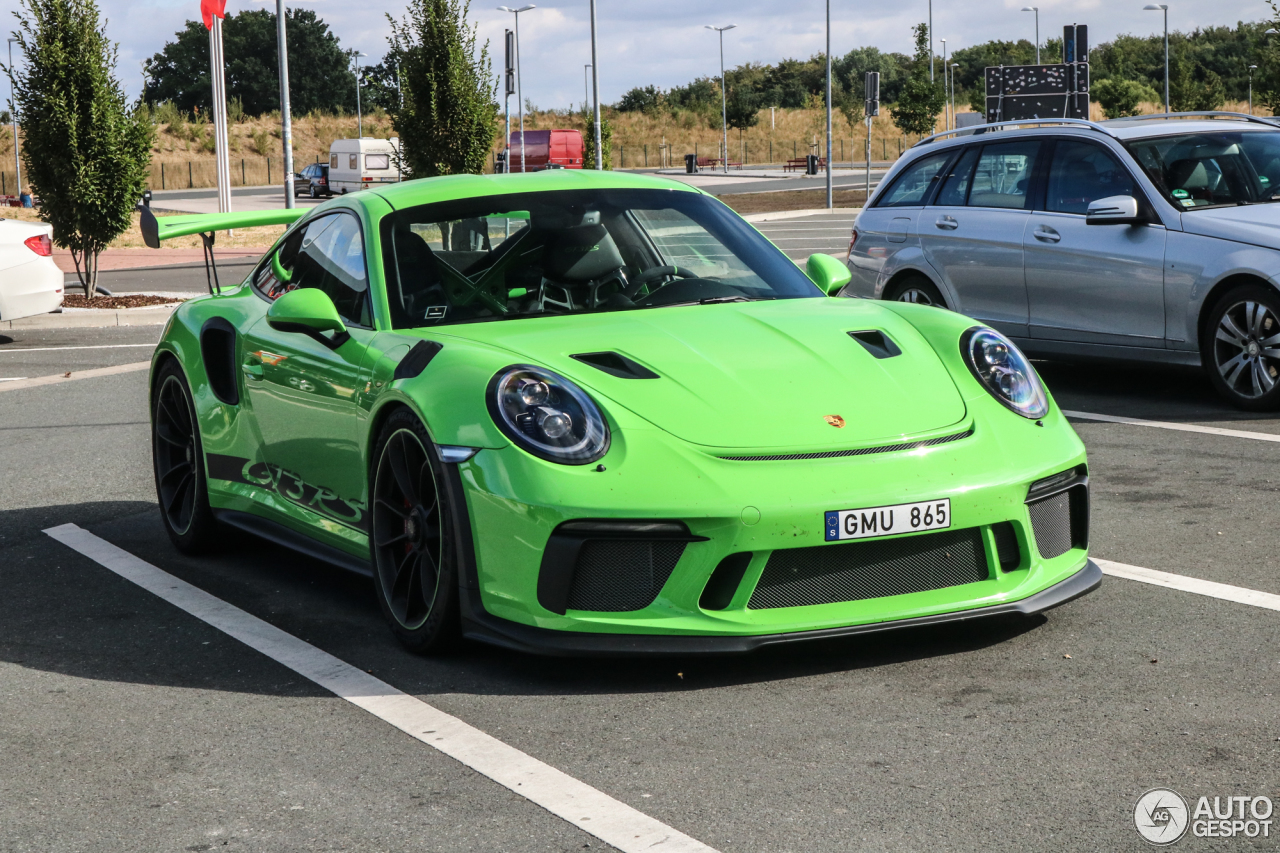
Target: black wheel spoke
<point>166,433</point>
<point>397,511</point>
<point>179,494</point>
<point>397,454</point>
<point>181,469</point>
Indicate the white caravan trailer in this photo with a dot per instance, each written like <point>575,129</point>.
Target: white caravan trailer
<point>355,164</point>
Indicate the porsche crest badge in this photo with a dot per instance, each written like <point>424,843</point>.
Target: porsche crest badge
<point>835,420</point>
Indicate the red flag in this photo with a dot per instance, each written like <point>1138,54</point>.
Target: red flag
<point>209,8</point>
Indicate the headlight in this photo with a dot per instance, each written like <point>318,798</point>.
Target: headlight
<point>1004,371</point>
<point>547,415</point>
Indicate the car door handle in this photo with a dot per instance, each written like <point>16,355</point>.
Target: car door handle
<point>252,370</point>
<point>947,223</point>
<point>1045,234</point>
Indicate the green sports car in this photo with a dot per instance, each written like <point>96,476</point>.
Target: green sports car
<point>577,412</point>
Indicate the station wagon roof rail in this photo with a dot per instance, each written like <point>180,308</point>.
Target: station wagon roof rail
<point>982,128</point>
<point>1269,121</point>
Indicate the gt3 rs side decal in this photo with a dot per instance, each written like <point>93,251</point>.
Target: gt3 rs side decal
<point>290,486</point>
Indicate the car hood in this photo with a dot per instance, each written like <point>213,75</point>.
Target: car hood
<point>1257,224</point>
<point>757,375</point>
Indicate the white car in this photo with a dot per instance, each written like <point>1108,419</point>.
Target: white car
<point>30,282</point>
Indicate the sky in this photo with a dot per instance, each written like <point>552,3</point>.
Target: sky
<point>663,42</point>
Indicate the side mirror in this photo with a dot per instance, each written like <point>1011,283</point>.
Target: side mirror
<point>830,274</point>
<point>310,312</point>
<point>1114,210</point>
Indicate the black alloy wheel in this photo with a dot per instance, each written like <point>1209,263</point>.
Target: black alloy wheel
<point>412,539</point>
<point>178,459</point>
<point>1243,355</point>
<point>916,289</point>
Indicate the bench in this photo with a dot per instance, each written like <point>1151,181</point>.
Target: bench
<point>798,164</point>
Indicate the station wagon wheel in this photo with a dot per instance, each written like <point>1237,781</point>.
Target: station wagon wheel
<point>178,460</point>
<point>917,289</point>
<point>411,538</point>
<point>1242,348</point>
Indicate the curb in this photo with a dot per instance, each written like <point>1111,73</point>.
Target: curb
<point>157,316</point>
<point>796,214</point>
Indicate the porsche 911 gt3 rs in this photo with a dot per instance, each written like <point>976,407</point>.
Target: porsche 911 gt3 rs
<point>579,412</point>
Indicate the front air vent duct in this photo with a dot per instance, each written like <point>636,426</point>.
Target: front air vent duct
<point>615,364</point>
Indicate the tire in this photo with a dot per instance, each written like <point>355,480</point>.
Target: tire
<point>412,528</point>
<point>177,457</point>
<point>314,194</point>
<point>1241,348</point>
<point>917,289</point>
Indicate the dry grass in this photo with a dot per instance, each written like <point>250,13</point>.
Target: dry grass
<point>183,152</point>
<point>772,202</point>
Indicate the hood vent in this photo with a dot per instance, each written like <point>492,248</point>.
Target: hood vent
<point>877,343</point>
<point>615,364</point>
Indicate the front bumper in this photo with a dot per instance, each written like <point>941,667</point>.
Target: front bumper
<point>514,504</point>
<point>484,627</point>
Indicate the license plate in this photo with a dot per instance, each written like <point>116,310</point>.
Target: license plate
<point>888,520</point>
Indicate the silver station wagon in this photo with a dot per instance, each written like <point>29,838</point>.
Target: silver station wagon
<point>1148,239</point>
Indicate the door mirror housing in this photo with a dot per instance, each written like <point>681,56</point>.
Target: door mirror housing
<point>830,274</point>
<point>310,312</point>
<point>1114,210</point>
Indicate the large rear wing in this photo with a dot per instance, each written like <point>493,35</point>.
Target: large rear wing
<point>206,225</point>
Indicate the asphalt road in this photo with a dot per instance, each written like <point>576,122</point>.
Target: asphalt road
<point>127,723</point>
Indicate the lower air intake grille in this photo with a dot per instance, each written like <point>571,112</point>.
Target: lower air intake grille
<point>1060,522</point>
<point>855,571</point>
<point>618,575</point>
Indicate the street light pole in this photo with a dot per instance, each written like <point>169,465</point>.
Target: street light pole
<point>1163,7</point>
<point>952,95</point>
<point>13,103</point>
<point>830,202</point>
<point>586,86</point>
<point>930,41</point>
<point>1035,9</point>
<point>595,93</point>
<point>286,121</point>
<point>519,89</point>
<point>355,57</point>
<point>946,109</point>
<point>724,95</point>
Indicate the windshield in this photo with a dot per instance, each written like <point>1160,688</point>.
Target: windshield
<point>1199,170</point>
<point>575,252</point>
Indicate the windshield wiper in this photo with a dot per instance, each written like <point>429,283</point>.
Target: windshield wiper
<point>715,300</point>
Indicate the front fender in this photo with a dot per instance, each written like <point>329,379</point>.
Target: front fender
<point>911,259</point>
<point>1195,269</point>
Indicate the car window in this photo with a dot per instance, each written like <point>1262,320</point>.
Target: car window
<point>1002,177</point>
<point>327,254</point>
<point>955,189</point>
<point>1081,172</point>
<point>560,252</point>
<point>1197,170</point>
<point>911,187</point>
<point>377,161</point>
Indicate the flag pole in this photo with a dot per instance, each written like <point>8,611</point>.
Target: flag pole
<point>217,65</point>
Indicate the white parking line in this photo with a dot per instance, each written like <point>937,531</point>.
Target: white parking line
<point>1238,594</point>
<point>590,810</point>
<point>1230,433</point>
<point>55,349</point>
<point>74,375</point>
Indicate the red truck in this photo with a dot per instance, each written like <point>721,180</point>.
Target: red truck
<point>547,148</point>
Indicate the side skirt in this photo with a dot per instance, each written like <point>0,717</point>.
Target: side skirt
<point>293,540</point>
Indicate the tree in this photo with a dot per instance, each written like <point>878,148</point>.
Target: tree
<point>606,143</point>
<point>921,99</point>
<point>87,153</point>
<point>1121,97</point>
<point>742,108</point>
<point>640,99</point>
<point>320,76</point>
<point>378,87</point>
<point>449,117</point>
<point>1189,94</point>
